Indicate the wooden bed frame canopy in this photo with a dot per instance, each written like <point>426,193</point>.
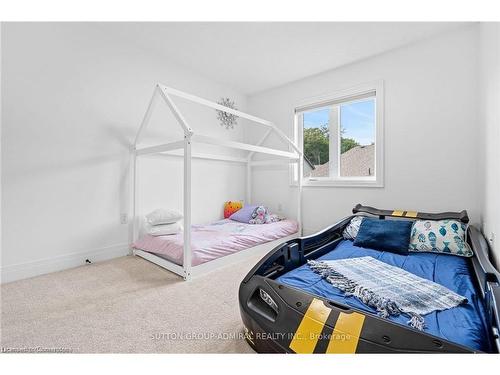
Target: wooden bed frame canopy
<point>190,135</point>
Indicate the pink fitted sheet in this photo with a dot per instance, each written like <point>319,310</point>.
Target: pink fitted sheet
<point>212,241</point>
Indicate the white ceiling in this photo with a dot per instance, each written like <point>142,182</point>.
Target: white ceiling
<point>253,57</point>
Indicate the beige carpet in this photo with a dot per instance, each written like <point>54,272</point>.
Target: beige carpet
<point>126,305</point>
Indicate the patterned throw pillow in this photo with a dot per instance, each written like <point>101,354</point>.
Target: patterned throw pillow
<point>230,207</point>
<point>352,229</point>
<point>274,218</point>
<point>443,236</point>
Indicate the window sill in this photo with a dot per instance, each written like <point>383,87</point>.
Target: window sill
<point>342,183</point>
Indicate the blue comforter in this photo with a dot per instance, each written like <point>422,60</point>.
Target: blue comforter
<point>464,324</point>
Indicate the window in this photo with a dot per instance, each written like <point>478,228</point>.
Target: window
<point>341,136</point>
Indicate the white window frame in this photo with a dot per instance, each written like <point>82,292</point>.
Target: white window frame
<point>378,181</point>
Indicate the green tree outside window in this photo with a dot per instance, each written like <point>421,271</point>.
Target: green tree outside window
<point>316,144</point>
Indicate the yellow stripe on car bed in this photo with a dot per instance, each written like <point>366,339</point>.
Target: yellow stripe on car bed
<point>306,337</point>
<point>397,213</point>
<point>411,214</point>
<point>346,333</point>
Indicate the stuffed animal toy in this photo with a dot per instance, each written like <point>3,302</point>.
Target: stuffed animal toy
<point>259,216</point>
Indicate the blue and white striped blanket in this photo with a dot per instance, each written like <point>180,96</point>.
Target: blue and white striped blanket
<point>389,289</point>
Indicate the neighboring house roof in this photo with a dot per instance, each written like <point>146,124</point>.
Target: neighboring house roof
<point>322,170</point>
<point>358,161</point>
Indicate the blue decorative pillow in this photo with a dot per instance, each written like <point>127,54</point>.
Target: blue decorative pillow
<point>386,235</point>
<point>244,215</point>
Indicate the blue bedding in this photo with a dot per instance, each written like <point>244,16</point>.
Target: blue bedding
<point>464,324</point>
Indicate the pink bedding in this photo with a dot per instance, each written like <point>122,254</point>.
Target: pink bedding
<point>216,240</point>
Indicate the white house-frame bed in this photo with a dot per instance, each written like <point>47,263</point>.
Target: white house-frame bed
<point>187,271</point>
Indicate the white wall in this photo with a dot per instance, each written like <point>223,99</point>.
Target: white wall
<point>73,97</point>
<point>489,38</point>
<point>431,131</point>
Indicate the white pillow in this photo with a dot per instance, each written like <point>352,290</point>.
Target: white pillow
<point>351,230</point>
<point>163,216</point>
<point>163,229</point>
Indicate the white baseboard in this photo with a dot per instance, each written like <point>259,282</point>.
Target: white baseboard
<point>41,267</point>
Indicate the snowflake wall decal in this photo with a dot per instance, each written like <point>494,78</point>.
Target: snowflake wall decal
<point>227,119</point>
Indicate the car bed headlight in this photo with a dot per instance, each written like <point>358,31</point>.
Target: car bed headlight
<point>268,299</point>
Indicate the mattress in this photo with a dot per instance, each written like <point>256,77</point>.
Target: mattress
<point>215,240</point>
<point>464,324</point>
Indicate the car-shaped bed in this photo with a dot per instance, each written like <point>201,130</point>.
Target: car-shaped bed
<point>287,308</point>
